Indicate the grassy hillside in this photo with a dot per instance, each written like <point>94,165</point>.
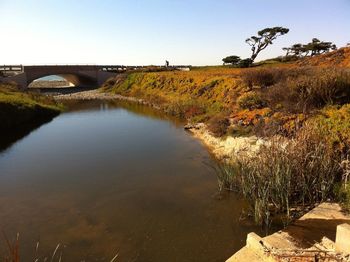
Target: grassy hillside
<point>304,106</point>
<point>338,58</point>
<point>261,100</point>
<point>18,108</point>
<point>202,92</point>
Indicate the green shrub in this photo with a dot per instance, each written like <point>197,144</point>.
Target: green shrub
<point>251,100</point>
<point>343,193</point>
<point>336,121</point>
<point>245,63</point>
<point>279,59</point>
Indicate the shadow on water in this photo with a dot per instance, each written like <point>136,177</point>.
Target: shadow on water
<point>9,137</point>
<point>310,231</point>
<point>60,90</point>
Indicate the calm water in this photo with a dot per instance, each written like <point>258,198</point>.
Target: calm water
<point>108,178</point>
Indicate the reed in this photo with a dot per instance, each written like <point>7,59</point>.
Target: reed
<point>284,174</point>
<point>12,251</point>
<point>12,254</point>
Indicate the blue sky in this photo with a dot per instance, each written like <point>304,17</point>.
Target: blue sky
<point>142,32</point>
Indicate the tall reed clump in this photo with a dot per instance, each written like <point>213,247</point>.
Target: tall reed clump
<point>343,190</point>
<point>298,172</point>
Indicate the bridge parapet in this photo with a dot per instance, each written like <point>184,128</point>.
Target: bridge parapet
<point>10,70</point>
<point>79,75</point>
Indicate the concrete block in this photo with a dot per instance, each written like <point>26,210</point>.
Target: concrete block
<point>255,242</point>
<point>342,241</point>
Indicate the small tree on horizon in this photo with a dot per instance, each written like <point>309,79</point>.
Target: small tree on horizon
<point>233,60</point>
<point>264,38</point>
<point>294,50</point>
<point>315,47</point>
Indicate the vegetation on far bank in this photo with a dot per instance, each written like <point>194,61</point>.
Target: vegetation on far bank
<point>19,108</point>
<point>303,108</point>
<point>195,95</point>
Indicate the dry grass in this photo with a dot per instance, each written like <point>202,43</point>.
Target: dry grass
<point>285,174</point>
<point>311,88</point>
<point>218,125</point>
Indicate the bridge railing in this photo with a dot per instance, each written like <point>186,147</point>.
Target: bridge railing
<point>15,69</point>
<point>12,68</point>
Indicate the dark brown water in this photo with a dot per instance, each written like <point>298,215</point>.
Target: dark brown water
<point>107,178</point>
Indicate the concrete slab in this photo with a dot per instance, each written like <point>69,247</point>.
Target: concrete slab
<point>303,238</point>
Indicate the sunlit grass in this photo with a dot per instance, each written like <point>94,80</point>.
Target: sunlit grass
<point>18,107</point>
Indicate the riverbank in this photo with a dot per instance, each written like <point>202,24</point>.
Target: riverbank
<point>225,148</point>
<point>18,108</point>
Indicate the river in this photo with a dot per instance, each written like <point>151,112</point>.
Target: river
<point>107,178</point>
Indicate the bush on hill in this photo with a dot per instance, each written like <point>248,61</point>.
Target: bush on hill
<point>218,125</point>
<point>251,100</point>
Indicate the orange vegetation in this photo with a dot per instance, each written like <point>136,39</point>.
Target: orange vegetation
<point>340,57</point>
<point>277,97</point>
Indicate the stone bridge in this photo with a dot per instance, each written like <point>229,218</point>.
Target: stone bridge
<point>79,75</point>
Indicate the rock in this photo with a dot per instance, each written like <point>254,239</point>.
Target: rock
<point>197,126</point>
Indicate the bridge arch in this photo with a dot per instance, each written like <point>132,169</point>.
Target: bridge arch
<point>74,79</point>
<point>82,76</point>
